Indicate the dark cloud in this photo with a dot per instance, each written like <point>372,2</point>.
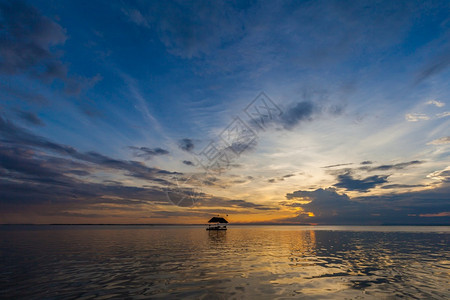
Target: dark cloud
<point>79,172</point>
<point>228,35</point>
<point>227,203</point>
<point>27,46</point>
<point>398,166</point>
<point>330,207</point>
<point>21,160</point>
<point>245,204</point>
<point>239,181</point>
<point>18,93</point>
<point>40,177</point>
<point>30,118</point>
<point>26,41</point>
<point>30,179</point>
<point>188,163</point>
<point>337,165</point>
<point>241,146</point>
<point>186,145</point>
<point>282,178</point>
<point>188,30</point>
<point>148,153</point>
<point>346,181</point>
<point>12,134</point>
<point>366,166</point>
<point>74,85</point>
<point>435,66</point>
<point>297,113</point>
<point>401,186</point>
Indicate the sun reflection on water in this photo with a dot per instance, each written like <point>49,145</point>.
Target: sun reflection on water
<point>264,262</point>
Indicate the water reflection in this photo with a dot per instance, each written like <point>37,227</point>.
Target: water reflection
<point>217,236</point>
<point>243,262</point>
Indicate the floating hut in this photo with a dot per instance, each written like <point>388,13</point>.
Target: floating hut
<point>216,223</point>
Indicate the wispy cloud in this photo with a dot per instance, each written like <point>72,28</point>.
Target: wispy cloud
<point>414,117</point>
<point>441,175</point>
<point>337,165</point>
<point>440,141</point>
<point>30,118</point>
<point>148,153</point>
<point>11,134</point>
<point>135,16</point>
<point>397,166</point>
<point>435,66</point>
<point>436,103</point>
<point>443,114</point>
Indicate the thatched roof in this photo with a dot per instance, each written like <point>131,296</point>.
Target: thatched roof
<point>217,220</point>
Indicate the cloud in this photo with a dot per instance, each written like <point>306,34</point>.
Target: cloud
<point>40,177</point>
<point>210,201</point>
<point>441,214</point>
<point>297,113</point>
<point>76,84</point>
<point>441,175</point>
<point>398,166</point>
<point>18,93</point>
<point>186,144</point>
<point>21,160</point>
<point>190,30</point>
<point>401,186</point>
<point>27,46</point>
<point>346,181</point>
<point>148,153</point>
<point>367,166</point>
<point>436,66</point>
<point>136,17</point>
<point>11,134</point>
<point>31,179</point>
<point>188,163</point>
<point>330,207</point>
<point>337,165</point>
<point>79,172</point>
<point>440,141</point>
<point>436,103</point>
<point>26,41</point>
<point>443,115</point>
<point>30,118</point>
<point>414,117</point>
<point>282,178</point>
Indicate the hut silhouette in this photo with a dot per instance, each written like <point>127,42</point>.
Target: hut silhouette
<point>215,223</point>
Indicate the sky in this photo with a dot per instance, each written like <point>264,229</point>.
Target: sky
<point>299,112</point>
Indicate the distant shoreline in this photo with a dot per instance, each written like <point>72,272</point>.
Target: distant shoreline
<point>233,224</point>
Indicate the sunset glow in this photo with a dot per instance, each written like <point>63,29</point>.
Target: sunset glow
<point>321,113</point>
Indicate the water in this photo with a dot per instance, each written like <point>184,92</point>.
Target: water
<point>245,262</point>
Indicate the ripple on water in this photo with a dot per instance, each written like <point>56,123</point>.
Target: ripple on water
<point>244,262</point>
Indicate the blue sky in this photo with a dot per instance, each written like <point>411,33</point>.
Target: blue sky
<point>106,106</point>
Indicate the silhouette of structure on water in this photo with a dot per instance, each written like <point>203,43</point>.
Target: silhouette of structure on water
<point>216,224</point>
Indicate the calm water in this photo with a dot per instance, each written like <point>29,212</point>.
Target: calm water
<point>247,262</point>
